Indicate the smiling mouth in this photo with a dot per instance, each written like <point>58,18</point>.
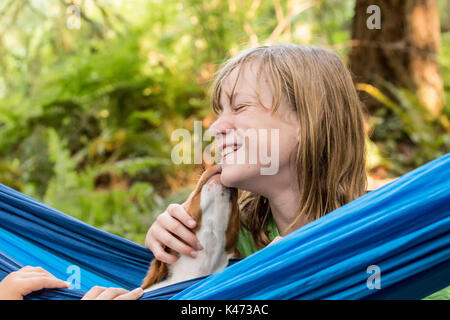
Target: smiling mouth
<point>227,150</point>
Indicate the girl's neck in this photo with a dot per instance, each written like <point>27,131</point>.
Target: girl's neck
<point>284,207</point>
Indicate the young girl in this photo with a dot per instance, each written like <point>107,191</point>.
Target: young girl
<point>307,96</point>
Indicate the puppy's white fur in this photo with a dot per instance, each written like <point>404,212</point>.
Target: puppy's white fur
<point>216,210</point>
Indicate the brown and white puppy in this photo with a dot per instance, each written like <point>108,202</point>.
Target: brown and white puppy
<point>215,209</point>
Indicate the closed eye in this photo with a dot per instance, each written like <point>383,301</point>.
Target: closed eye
<point>239,107</point>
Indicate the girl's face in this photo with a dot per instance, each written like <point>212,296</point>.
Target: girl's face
<point>257,147</point>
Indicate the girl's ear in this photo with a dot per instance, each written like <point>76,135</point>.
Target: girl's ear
<point>296,124</point>
<point>298,133</point>
<point>292,118</point>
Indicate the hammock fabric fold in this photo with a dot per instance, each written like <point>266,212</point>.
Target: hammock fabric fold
<point>402,228</point>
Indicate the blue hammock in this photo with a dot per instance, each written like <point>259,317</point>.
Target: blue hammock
<point>402,228</point>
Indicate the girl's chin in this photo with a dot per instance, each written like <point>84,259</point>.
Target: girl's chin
<point>226,180</point>
<point>237,176</point>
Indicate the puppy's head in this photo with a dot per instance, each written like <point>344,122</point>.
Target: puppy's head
<point>209,194</point>
<point>208,197</point>
<point>193,205</point>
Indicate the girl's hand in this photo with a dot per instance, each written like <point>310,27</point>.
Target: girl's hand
<point>175,221</point>
<point>101,293</point>
<point>19,283</point>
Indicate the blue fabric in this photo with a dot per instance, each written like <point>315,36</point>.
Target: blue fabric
<point>403,228</point>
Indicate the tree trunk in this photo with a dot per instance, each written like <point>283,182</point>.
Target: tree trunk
<point>403,51</point>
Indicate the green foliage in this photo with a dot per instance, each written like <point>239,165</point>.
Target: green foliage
<point>444,62</point>
<point>443,294</point>
<point>409,118</point>
<point>124,211</point>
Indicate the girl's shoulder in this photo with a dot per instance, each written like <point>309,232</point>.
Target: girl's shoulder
<point>245,243</point>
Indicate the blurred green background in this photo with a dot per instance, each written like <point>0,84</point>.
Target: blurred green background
<point>86,114</point>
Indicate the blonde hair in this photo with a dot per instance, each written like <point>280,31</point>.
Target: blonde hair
<point>331,152</point>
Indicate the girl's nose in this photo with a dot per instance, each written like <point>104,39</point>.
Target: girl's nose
<point>223,124</point>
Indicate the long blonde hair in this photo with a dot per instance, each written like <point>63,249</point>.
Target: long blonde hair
<point>331,153</point>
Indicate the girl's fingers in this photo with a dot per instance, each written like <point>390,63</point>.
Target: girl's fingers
<point>176,220</point>
<point>111,293</point>
<point>149,238</point>
<point>177,211</point>
<point>38,283</point>
<point>176,227</point>
<point>30,269</point>
<point>93,293</point>
<point>170,241</point>
<point>161,254</point>
<point>31,274</point>
<point>132,295</point>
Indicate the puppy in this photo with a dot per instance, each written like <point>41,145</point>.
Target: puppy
<point>215,209</point>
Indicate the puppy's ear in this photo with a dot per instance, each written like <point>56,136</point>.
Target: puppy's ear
<point>158,270</point>
<point>234,224</point>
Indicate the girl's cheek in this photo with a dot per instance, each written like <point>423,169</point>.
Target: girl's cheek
<point>254,118</point>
